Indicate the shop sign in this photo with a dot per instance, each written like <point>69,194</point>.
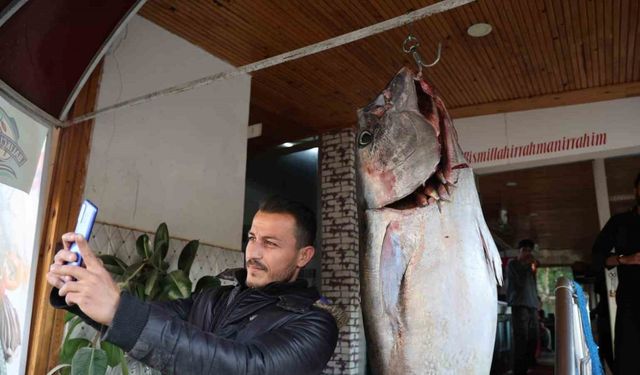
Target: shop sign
<point>578,130</point>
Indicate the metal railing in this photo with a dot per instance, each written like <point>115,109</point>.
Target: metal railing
<point>565,350</point>
<point>576,351</point>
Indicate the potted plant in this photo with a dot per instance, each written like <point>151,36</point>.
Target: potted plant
<point>150,280</point>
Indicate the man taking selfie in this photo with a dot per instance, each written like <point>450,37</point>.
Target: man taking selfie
<point>269,323</point>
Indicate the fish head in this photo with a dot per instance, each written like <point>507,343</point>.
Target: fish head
<point>398,145</point>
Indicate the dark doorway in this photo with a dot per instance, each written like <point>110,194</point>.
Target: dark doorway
<point>293,175</point>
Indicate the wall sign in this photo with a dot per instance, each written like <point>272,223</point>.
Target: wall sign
<point>577,130</point>
<point>21,141</point>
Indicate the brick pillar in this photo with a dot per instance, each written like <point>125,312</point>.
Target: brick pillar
<point>340,242</point>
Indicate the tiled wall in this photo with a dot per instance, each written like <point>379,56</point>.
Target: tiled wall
<point>340,243</point>
<point>121,242</point>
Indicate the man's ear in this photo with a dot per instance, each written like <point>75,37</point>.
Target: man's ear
<point>304,256</point>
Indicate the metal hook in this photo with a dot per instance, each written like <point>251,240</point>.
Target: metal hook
<point>437,60</point>
<point>411,44</point>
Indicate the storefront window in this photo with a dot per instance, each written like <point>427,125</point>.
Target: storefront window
<point>22,156</point>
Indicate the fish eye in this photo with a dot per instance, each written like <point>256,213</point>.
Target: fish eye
<point>365,138</point>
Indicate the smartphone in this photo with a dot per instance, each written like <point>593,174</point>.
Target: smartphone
<point>86,218</point>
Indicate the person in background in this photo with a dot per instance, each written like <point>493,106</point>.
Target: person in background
<point>544,332</point>
<point>618,245</point>
<point>522,296</point>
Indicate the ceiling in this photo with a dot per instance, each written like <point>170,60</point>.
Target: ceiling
<point>49,49</point>
<point>557,212</point>
<point>541,53</point>
<point>555,205</point>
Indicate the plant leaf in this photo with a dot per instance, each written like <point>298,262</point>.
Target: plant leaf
<point>68,316</point>
<point>135,267</point>
<point>67,350</point>
<point>123,363</point>
<point>207,282</point>
<point>113,352</point>
<point>70,347</point>
<point>138,290</point>
<point>73,323</point>
<point>161,241</point>
<point>176,285</point>
<point>142,246</point>
<point>164,266</point>
<point>89,361</point>
<point>160,252</point>
<point>151,283</point>
<point>187,256</point>
<point>113,264</point>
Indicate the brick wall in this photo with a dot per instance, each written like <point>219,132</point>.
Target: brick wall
<point>340,242</point>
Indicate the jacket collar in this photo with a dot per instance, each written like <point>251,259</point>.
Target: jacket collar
<point>295,296</point>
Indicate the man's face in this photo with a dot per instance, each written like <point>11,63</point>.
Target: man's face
<point>526,252</point>
<point>272,253</point>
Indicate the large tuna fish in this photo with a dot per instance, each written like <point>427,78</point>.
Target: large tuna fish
<point>429,267</point>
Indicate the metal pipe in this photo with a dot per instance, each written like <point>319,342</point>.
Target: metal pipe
<point>565,351</point>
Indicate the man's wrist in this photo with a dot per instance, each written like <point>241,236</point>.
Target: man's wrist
<point>114,307</point>
<point>619,259</point>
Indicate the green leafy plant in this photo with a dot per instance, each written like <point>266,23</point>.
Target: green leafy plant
<point>150,280</point>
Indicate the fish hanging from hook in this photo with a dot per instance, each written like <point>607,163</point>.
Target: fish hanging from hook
<point>411,44</point>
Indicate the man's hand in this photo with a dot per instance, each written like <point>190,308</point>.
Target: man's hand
<point>91,288</point>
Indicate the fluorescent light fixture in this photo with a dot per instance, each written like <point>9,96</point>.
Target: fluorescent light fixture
<point>511,183</point>
<point>288,144</point>
<point>479,30</point>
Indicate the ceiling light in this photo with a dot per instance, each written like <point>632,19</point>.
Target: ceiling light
<point>288,144</point>
<point>479,30</point>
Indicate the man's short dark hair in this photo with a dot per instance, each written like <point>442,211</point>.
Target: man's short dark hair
<point>305,218</point>
<point>526,243</point>
<point>637,181</point>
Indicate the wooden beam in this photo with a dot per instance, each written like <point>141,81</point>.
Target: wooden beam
<point>589,95</point>
<point>68,171</point>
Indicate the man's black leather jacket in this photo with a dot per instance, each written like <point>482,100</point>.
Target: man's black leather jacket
<point>229,330</point>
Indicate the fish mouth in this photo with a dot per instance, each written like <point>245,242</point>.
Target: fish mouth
<point>436,189</point>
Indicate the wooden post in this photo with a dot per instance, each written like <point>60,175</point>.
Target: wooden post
<point>68,170</point>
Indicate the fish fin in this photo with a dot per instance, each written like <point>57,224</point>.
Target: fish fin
<point>491,254</point>
<point>393,265</point>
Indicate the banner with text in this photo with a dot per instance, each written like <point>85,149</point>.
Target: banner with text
<point>526,136</point>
